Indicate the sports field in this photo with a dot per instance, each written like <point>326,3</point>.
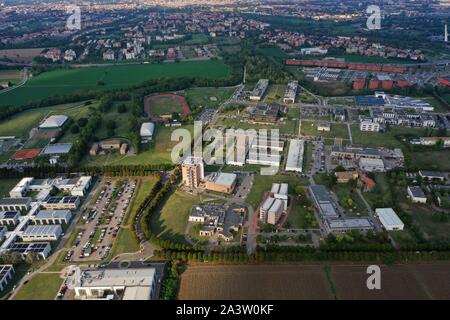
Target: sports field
<point>66,81</point>
<point>164,105</point>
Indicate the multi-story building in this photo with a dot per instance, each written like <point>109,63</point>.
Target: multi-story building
<point>192,172</point>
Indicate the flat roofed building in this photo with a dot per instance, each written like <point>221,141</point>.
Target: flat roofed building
<point>52,217</point>
<point>346,176</point>
<point>416,194</point>
<point>57,148</point>
<point>54,122</point>
<point>371,165</point>
<point>389,219</point>
<point>9,218</point>
<point>266,113</point>
<point>275,211</point>
<point>221,182</point>
<point>147,130</point>
<point>6,275</point>
<point>260,89</point>
<point>323,201</point>
<point>369,126</point>
<point>324,126</point>
<point>347,224</point>
<point>61,203</point>
<point>15,204</point>
<point>432,175</point>
<point>295,155</point>
<point>291,92</point>
<point>42,249</point>
<point>42,233</point>
<point>110,144</point>
<point>192,172</point>
<point>21,188</point>
<point>130,284</point>
<point>280,191</point>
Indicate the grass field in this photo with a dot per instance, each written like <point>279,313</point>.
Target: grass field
<point>43,286</point>
<point>20,55</point>
<point>157,152</point>
<point>298,217</point>
<point>14,76</point>
<point>171,221</point>
<point>263,184</point>
<point>6,185</point>
<point>165,106</point>
<point>206,97</point>
<point>309,128</point>
<point>436,160</point>
<point>275,93</point>
<point>343,191</point>
<point>67,81</point>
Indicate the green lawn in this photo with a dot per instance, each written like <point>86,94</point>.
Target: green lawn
<point>65,81</point>
<point>275,93</point>
<point>143,190</point>
<point>263,184</point>
<point>309,128</point>
<point>435,160</point>
<point>124,243</point>
<point>206,97</point>
<point>298,217</point>
<point>165,106</point>
<point>171,221</point>
<point>307,157</point>
<point>6,185</point>
<point>43,286</point>
<point>343,191</point>
<point>156,152</point>
<point>14,76</point>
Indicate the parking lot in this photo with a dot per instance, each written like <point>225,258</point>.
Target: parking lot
<point>102,222</point>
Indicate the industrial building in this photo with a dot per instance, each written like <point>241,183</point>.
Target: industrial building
<point>323,201</point>
<point>147,131</point>
<point>125,284</point>
<point>344,225</point>
<point>42,233</point>
<point>221,182</point>
<point>260,89</point>
<point>389,219</point>
<point>53,122</point>
<point>15,204</point>
<point>9,218</point>
<point>44,217</point>
<point>371,165</point>
<point>416,194</point>
<point>192,172</point>
<point>75,186</point>
<point>6,275</point>
<point>294,160</point>
<point>291,92</point>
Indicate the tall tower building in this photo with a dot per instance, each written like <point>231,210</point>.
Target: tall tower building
<point>192,172</point>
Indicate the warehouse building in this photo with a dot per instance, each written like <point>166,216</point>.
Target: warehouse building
<point>344,225</point>
<point>371,165</point>
<point>61,203</point>
<point>432,175</point>
<point>53,122</point>
<point>9,218</point>
<point>15,204</point>
<point>416,194</point>
<point>125,284</point>
<point>44,217</point>
<point>57,149</point>
<point>221,182</point>
<point>6,275</point>
<point>147,131</point>
<point>389,219</point>
<point>295,155</point>
<point>42,233</point>
<point>260,89</point>
<point>323,201</point>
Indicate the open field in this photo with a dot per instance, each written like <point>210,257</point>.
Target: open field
<point>263,184</point>
<point>6,185</point>
<point>436,160</point>
<point>262,282</point>
<point>156,152</point>
<point>20,55</point>
<point>43,286</point>
<point>345,192</point>
<point>309,128</point>
<point>14,76</point>
<point>67,81</point>
<point>206,97</point>
<point>170,222</point>
<point>275,93</point>
<point>164,105</point>
<point>345,282</point>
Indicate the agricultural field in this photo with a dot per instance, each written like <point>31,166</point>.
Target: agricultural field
<point>66,81</point>
<point>20,55</point>
<point>313,282</point>
<point>262,184</point>
<point>43,286</point>
<point>262,282</point>
<point>170,222</point>
<point>13,76</point>
<point>156,152</point>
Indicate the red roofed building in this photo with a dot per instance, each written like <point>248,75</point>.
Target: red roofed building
<point>403,83</point>
<point>368,183</point>
<point>374,84</point>
<point>445,81</point>
<point>359,84</point>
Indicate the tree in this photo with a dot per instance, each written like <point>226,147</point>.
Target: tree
<point>122,108</point>
<point>75,129</point>
<point>82,122</point>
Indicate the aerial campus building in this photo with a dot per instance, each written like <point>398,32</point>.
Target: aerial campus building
<point>260,89</point>
<point>275,204</point>
<point>291,92</point>
<point>192,172</point>
<point>44,217</point>
<point>15,204</point>
<point>53,122</point>
<point>41,233</point>
<point>124,284</point>
<point>221,182</point>
<point>147,131</point>
<point>9,218</point>
<point>295,156</point>
<point>75,186</point>
<point>6,275</point>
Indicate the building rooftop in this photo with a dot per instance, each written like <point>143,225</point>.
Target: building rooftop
<point>42,230</point>
<point>349,223</point>
<point>389,216</point>
<point>54,122</point>
<point>224,179</point>
<point>49,214</point>
<point>142,277</point>
<point>416,191</point>
<point>15,201</point>
<point>147,129</point>
<point>58,148</point>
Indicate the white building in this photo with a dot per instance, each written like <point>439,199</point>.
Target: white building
<point>42,233</point>
<point>291,92</point>
<point>313,51</point>
<point>295,156</point>
<point>416,194</point>
<point>128,284</point>
<point>260,89</point>
<point>389,219</point>
<point>369,126</point>
<point>53,122</point>
<point>9,218</point>
<point>6,275</point>
<point>147,131</point>
<point>371,165</point>
<point>44,217</point>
